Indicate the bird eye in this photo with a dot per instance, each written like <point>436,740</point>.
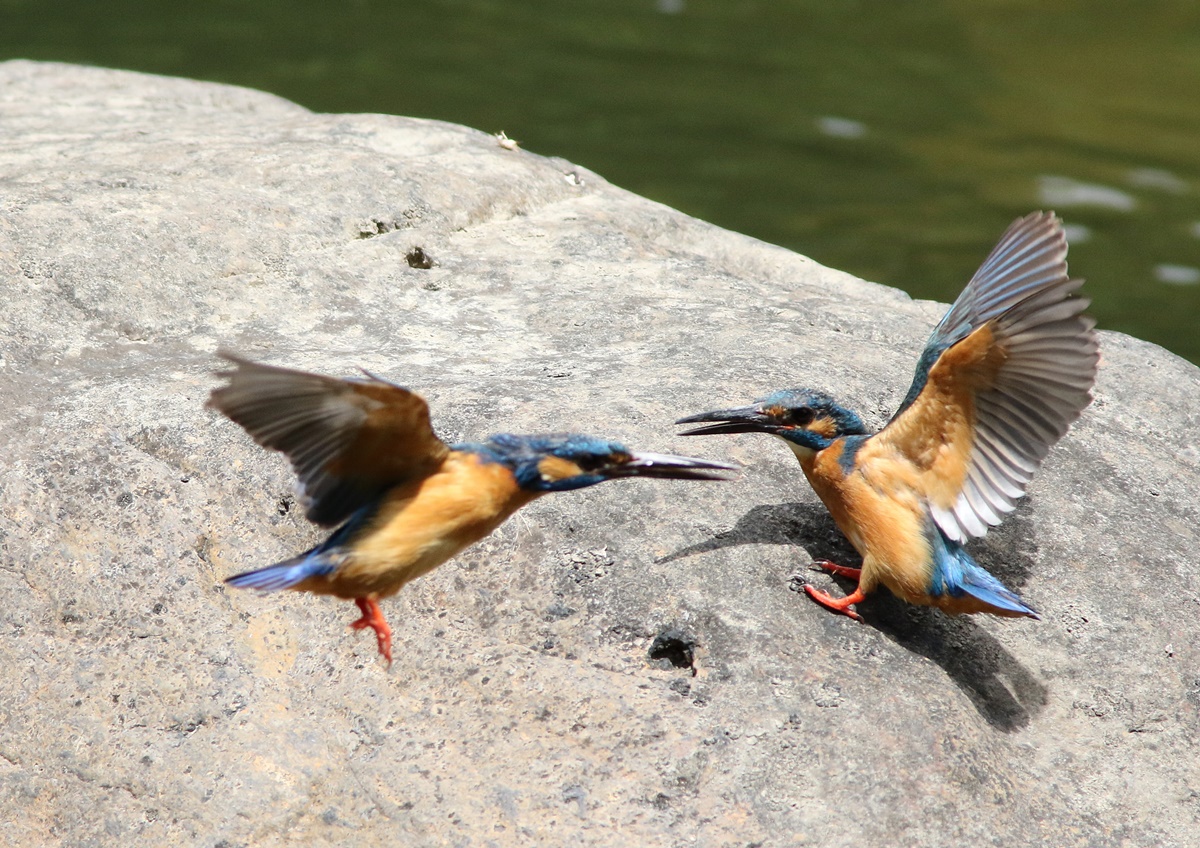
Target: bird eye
<point>801,416</point>
<point>593,462</point>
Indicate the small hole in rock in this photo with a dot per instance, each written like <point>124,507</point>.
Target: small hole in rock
<point>418,258</point>
<point>676,647</point>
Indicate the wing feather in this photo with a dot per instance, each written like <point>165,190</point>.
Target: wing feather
<point>995,479</point>
<point>347,440</point>
<point>1005,373</point>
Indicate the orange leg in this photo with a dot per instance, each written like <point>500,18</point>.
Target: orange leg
<point>372,616</point>
<point>841,605</point>
<point>839,570</point>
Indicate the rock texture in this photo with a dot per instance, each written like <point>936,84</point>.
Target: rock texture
<point>145,221</point>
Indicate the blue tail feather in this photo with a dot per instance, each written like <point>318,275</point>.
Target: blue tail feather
<point>955,573</point>
<point>316,562</point>
<point>982,586</point>
<point>286,574</point>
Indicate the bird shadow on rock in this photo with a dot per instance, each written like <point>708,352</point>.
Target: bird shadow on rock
<point>1006,694</point>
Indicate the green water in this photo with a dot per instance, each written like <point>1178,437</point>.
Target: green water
<point>893,139</point>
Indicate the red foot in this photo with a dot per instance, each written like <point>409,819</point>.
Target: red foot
<point>841,605</point>
<point>372,616</point>
<point>839,570</point>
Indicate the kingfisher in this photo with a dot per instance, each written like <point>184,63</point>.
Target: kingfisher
<point>402,501</point>
<point>1002,377</point>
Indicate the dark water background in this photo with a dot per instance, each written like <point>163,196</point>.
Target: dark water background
<point>894,139</point>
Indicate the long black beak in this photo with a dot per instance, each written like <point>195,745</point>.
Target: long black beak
<point>669,467</point>
<point>745,419</point>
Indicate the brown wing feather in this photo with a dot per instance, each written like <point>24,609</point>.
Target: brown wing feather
<point>935,433</point>
<point>348,440</point>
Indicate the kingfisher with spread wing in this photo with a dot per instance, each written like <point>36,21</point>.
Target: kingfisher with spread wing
<point>403,501</point>
<point>1003,375</point>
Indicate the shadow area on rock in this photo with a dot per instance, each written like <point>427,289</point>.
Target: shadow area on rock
<point>1005,693</point>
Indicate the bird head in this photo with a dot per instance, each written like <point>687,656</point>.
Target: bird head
<point>802,417</point>
<point>559,463</point>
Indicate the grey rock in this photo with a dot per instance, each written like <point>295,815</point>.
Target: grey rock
<point>144,221</point>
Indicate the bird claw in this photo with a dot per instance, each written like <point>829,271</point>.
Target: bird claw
<point>839,570</point>
<point>840,605</point>
<point>372,616</point>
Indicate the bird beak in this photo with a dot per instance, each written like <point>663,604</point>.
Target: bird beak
<point>669,467</point>
<point>745,419</point>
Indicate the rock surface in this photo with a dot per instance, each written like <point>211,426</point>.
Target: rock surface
<point>144,221</point>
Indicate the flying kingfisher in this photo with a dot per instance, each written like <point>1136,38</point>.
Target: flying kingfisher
<point>1003,375</point>
<point>368,460</point>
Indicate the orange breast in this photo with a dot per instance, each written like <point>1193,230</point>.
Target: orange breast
<point>877,507</point>
<point>421,525</point>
